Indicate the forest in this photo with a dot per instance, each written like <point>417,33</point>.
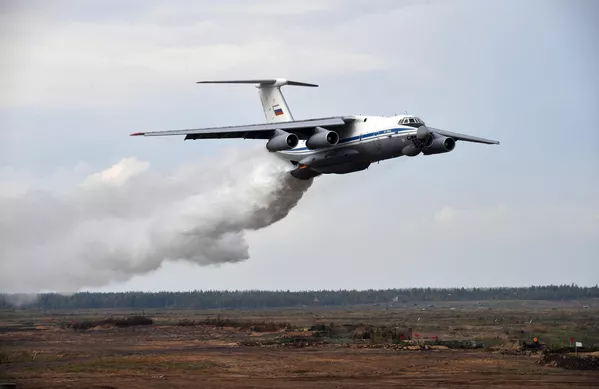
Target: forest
<point>260,299</point>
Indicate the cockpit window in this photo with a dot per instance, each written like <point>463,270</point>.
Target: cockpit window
<point>413,119</point>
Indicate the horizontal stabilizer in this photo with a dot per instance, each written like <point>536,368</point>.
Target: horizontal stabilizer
<point>262,82</point>
<point>274,105</point>
<point>297,83</point>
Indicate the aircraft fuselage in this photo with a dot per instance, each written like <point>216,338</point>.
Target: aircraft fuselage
<point>366,140</point>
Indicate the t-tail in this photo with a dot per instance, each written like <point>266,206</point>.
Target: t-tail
<point>273,102</point>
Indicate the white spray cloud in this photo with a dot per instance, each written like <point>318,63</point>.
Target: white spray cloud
<point>128,219</point>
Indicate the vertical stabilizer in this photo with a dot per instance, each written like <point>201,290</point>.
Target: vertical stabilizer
<point>273,102</point>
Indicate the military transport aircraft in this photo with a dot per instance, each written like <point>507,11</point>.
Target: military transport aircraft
<point>339,144</point>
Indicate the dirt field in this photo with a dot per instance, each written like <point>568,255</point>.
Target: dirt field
<point>37,353</point>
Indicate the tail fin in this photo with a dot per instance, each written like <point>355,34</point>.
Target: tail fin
<point>273,103</point>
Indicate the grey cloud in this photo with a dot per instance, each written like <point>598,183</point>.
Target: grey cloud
<point>77,62</point>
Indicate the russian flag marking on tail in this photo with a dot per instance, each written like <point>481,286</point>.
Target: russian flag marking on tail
<point>278,110</point>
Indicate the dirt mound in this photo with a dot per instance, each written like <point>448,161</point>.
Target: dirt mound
<point>571,362</point>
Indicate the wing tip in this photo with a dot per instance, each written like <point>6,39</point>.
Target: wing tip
<point>137,134</point>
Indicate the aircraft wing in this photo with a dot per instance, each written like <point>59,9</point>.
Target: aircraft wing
<point>464,137</point>
<point>302,128</point>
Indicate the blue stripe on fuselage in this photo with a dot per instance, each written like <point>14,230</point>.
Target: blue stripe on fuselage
<point>364,136</point>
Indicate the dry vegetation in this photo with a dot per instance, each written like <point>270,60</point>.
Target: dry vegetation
<point>220,322</point>
<point>129,321</point>
<point>471,345</point>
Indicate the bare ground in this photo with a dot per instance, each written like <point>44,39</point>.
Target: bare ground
<point>204,357</point>
<point>35,352</point>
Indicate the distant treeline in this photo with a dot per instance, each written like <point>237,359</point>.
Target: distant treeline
<point>252,299</point>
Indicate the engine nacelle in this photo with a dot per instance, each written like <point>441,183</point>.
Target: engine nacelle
<point>440,144</point>
<point>282,141</point>
<point>322,139</point>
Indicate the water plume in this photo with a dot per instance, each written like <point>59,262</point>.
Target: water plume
<point>128,219</point>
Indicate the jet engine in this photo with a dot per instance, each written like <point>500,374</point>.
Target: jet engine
<point>282,141</point>
<point>322,138</point>
<point>440,144</point>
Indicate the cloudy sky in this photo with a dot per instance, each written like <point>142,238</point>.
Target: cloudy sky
<point>77,77</point>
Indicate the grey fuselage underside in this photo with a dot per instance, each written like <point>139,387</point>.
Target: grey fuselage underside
<point>353,153</point>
